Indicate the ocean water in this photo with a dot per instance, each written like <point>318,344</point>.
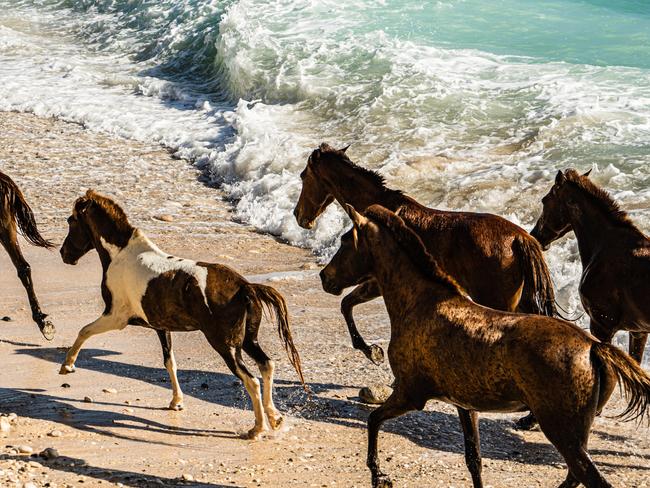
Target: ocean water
<point>464,104</point>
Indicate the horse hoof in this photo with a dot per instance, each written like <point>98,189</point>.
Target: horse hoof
<point>381,481</point>
<point>48,330</point>
<point>67,369</point>
<point>375,354</point>
<point>253,434</point>
<point>276,422</point>
<point>176,406</point>
<point>529,422</point>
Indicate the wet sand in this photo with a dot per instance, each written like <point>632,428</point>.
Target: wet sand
<point>128,438</point>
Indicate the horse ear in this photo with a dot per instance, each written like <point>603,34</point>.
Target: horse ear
<point>587,173</point>
<point>560,178</point>
<point>345,148</point>
<point>357,219</point>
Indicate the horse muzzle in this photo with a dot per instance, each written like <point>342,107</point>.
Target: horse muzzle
<point>66,258</point>
<point>535,233</point>
<point>328,285</point>
<point>302,222</point>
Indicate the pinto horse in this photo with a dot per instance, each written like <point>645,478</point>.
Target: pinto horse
<point>16,215</point>
<point>144,286</point>
<point>615,255</point>
<point>497,262</point>
<point>444,346</point>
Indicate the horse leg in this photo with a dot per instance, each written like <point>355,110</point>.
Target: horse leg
<point>363,293</point>
<point>10,243</point>
<point>232,357</point>
<point>469,423</point>
<point>569,432</point>
<point>170,365</point>
<point>264,363</point>
<point>395,405</point>
<point>103,324</point>
<point>637,342</point>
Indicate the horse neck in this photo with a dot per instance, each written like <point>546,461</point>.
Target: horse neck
<point>590,224</point>
<point>351,186</point>
<point>401,282</point>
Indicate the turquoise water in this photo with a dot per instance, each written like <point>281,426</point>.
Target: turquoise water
<point>464,104</point>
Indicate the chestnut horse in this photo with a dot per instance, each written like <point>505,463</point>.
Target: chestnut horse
<point>444,346</point>
<point>144,286</point>
<point>615,256</point>
<point>497,262</point>
<point>16,215</point>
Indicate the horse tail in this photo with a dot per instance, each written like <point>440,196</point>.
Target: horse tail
<point>634,381</point>
<point>275,303</point>
<point>23,215</point>
<point>537,296</point>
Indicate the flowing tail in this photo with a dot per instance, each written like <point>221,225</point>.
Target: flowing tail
<point>23,214</point>
<point>274,302</point>
<point>634,381</point>
<point>537,296</point>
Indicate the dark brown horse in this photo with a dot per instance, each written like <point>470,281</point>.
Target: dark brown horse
<point>16,215</point>
<point>444,346</point>
<point>144,286</point>
<point>615,255</point>
<point>497,262</point>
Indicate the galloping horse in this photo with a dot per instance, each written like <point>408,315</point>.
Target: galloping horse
<point>615,255</point>
<point>15,210</point>
<point>444,346</point>
<point>497,262</point>
<point>144,286</point>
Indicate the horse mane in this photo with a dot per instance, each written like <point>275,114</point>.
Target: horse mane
<point>377,179</point>
<point>413,246</point>
<point>602,199</point>
<point>109,208</point>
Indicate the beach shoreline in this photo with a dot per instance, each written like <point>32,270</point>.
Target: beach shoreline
<point>127,438</point>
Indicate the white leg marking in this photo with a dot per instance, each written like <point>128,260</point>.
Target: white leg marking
<point>253,388</point>
<point>274,416</point>
<point>177,394</point>
<point>99,326</point>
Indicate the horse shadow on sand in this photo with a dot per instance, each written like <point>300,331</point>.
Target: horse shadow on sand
<point>433,430</point>
<point>124,478</point>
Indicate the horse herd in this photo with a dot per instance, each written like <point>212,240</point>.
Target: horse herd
<point>469,297</point>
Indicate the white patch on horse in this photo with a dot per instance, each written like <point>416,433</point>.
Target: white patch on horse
<point>134,266</point>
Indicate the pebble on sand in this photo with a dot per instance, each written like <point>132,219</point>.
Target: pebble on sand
<point>188,477</point>
<point>6,318</point>
<point>375,394</point>
<point>5,425</point>
<point>164,217</point>
<point>25,449</point>
<point>49,453</point>
<point>55,433</point>
<point>110,390</point>
<point>87,399</point>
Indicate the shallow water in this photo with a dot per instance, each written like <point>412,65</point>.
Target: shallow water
<point>438,98</point>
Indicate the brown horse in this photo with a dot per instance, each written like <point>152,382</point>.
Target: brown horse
<point>15,210</point>
<point>144,286</point>
<point>444,346</point>
<point>497,262</point>
<point>615,255</point>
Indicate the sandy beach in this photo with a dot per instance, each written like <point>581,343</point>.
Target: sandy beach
<point>125,437</point>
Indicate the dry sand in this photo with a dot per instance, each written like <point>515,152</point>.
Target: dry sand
<point>127,438</point>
